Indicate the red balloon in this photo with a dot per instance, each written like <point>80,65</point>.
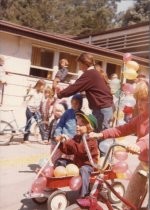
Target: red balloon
<point>128,110</point>
<point>39,184</point>
<point>121,155</point>
<point>127,57</point>
<point>48,171</point>
<point>75,183</point>
<point>120,167</point>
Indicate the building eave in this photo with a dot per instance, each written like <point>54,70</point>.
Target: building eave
<point>67,42</point>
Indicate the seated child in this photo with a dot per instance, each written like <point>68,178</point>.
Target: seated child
<point>75,146</point>
<point>58,111</point>
<point>62,73</point>
<point>67,123</point>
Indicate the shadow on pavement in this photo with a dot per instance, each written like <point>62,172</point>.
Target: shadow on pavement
<point>33,168</point>
<point>28,204</point>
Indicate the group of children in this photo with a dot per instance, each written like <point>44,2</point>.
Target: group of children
<point>71,124</point>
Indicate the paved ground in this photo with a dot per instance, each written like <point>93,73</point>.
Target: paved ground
<point>17,165</point>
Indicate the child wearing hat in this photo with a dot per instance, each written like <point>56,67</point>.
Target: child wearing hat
<point>75,146</point>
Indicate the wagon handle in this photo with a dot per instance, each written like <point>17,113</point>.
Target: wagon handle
<point>51,155</point>
<point>89,153</point>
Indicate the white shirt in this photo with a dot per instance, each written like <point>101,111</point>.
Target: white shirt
<point>34,100</point>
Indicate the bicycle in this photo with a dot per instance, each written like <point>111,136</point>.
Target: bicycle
<point>10,129</point>
<point>102,190</point>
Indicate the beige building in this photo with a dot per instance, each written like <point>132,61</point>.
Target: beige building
<point>31,55</point>
<point>134,39</point>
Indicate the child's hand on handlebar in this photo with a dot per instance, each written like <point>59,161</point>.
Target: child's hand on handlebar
<point>95,135</point>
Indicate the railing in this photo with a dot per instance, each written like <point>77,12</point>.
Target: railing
<point>17,85</point>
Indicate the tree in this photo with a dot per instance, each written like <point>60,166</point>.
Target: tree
<point>61,16</point>
<point>140,12</point>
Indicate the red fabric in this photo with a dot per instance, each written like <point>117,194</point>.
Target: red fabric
<point>44,108</point>
<point>97,91</point>
<point>138,126</point>
<point>76,147</point>
<point>128,110</point>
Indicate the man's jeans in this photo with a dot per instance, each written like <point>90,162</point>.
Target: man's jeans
<point>104,116</point>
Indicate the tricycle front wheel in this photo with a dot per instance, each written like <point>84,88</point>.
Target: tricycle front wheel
<point>57,200</point>
<point>120,189</point>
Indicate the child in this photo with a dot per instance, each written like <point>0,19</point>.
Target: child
<point>46,107</point>
<point>46,104</point>
<point>62,72</point>
<point>67,123</point>
<point>58,111</point>
<point>139,126</point>
<point>75,146</point>
<point>33,100</point>
<point>128,113</point>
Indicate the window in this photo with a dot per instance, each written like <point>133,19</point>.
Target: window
<point>72,68</point>
<point>41,62</point>
<point>113,68</point>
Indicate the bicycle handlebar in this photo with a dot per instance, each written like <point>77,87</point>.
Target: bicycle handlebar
<point>97,166</point>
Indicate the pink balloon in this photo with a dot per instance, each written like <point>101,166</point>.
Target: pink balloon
<point>75,183</point>
<point>120,167</point>
<point>121,155</point>
<point>48,171</point>
<point>128,88</point>
<point>127,57</point>
<point>39,184</point>
<point>128,174</point>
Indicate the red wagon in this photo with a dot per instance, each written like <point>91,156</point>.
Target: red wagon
<point>55,193</point>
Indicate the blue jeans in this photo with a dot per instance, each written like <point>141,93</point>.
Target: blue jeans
<point>37,118</point>
<point>85,172</point>
<point>104,116</point>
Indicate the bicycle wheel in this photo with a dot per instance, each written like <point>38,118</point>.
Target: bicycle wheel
<point>36,130</point>
<point>120,189</point>
<point>6,132</point>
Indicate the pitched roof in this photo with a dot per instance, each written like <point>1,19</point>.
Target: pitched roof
<point>146,23</point>
<point>61,40</point>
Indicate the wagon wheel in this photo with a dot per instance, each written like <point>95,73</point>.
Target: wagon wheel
<point>119,188</point>
<point>57,201</point>
<point>41,200</point>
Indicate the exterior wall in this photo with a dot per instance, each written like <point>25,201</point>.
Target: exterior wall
<point>17,52</point>
<point>114,34</point>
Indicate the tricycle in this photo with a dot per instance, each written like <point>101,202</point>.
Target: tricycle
<point>103,186</point>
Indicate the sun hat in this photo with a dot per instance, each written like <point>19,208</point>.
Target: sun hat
<point>90,119</point>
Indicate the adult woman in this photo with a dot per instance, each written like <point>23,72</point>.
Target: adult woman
<point>97,91</point>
